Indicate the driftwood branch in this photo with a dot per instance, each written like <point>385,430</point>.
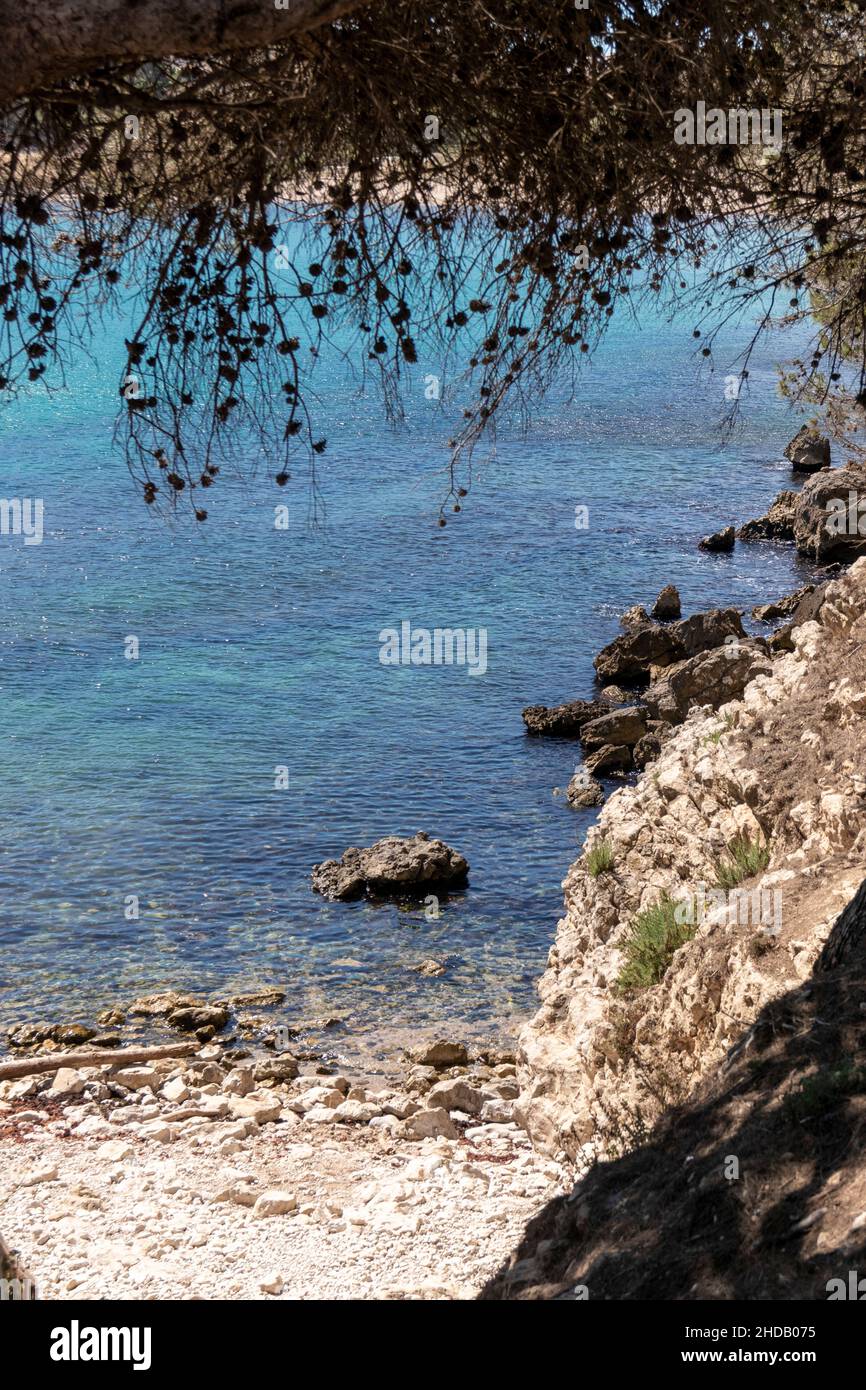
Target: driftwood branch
<point>71,38</point>
<point>101,1057</point>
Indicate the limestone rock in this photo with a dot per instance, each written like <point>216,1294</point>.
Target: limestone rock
<point>161,1005</point>
<point>711,678</point>
<point>442,1053</point>
<point>783,607</point>
<point>622,726</point>
<point>392,866</point>
<point>780,764</point>
<point>275,1203</point>
<point>776,525</point>
<point>633,617</point>
<point>456,1094</point>
<point>667,606</point>
<point>281,1069</point>
<point>610,758</point>
<point>431,1124</point>
<point>584,790</point>
<point>631,655</point>
<point>67,1082</point>
<point>562,721</point>
<point>719,541</point>
<point>808,451</point>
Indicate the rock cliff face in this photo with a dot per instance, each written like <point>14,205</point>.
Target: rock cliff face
<point>766,795</point>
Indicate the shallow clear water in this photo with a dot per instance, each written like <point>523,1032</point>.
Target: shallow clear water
<point>259,648</point>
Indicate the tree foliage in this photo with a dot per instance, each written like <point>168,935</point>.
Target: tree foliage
<point>493,177</point>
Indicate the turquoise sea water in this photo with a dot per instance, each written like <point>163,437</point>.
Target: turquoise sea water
<point>259,649</point>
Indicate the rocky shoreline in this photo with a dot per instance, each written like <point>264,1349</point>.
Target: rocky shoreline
<point>731,766</point>
<point>298,1185</point>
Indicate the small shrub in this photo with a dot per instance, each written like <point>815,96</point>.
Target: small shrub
<point>714,736</point>
<point>822,1092</point>
<point>599,860</point>
<point>746,858</point>
<point>649,948</point>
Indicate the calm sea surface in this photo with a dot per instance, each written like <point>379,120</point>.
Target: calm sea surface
<point>259,649</point>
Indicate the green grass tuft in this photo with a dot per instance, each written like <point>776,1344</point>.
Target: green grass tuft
<point>745,859</point>
<point>824,1091</point>
<point>599,860</point>
<point>654,937</point>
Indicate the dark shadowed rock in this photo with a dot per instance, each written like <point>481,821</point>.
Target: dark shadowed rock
<point>777,525</point>
<point>807,610</point>
<point>652,743</point>
<point>667,606</point>
<point>626,725</point>
<point>783,607</point>
<point>711,678</point>
<point>808,451</point>
<point>561,721</point>
<point>393,866</point>
<point>584,790</point>
<point>613,757</point>
<point>721,542</point>
<point>615,695</point>
<point>199,1016</point>
<point>702,631</point>
<point>630,656</point>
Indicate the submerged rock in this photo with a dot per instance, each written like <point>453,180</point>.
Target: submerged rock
<point>392,866</point>
<point>35,1034</point>
<point>161,1005</point>
<point>198,1017</point>
<point>808,451</point>
<point>431,967</point>
<point>561,721</point>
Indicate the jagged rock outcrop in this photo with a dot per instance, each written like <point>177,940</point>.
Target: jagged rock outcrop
<point>824,520</point>
<point>711,678</point>
<point>562,721</point>
<point>776,525</point>
<point>777,774</point>
<point>782,607</point>
<point>626,725</point>
<point>631,656</point>
<point>752,1189</point>
<point>584,790</point>
<point>392,867</point>
<point>667,607</point>
<point>722,542</point>
<point>808,451</point>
